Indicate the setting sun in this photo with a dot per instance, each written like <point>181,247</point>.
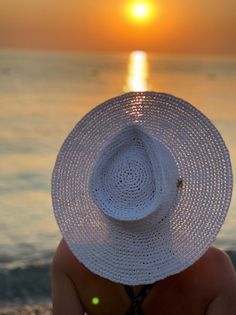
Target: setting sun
<point>140,11</point>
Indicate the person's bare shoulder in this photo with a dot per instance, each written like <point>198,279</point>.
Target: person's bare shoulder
<point>220,264</point>
<point>216,267</point>
<point>64,259</point>
<point>65,297</point>
<point>222,279</point>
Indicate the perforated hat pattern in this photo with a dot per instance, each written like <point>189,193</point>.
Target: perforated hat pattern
<point>141,187</point>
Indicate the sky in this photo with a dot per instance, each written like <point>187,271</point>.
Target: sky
<point>177,26</point>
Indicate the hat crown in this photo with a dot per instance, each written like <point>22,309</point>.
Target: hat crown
<point>134,177</point>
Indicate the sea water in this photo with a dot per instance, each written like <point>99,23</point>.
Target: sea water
<point>43,95</point>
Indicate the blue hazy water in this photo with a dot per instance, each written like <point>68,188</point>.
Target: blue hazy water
<point>43,95</point>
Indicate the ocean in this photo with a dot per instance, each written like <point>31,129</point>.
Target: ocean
<point>42,96</point>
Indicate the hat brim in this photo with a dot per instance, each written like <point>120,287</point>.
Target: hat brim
<point>146,251</point>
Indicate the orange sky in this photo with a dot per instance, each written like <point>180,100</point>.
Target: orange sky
<point>180,26</point>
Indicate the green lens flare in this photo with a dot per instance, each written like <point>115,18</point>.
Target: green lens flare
<point>95,300</point>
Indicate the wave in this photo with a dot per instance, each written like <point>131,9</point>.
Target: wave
<point>25,284</point>
<point>30,283</point>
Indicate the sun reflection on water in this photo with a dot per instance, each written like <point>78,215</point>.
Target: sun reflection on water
<point>137,72</point>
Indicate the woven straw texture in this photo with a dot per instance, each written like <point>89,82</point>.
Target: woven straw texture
<point>141,187</point>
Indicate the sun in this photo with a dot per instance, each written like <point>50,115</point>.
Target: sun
<point>140,11</point>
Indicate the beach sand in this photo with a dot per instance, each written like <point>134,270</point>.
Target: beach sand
<point>34,309</point>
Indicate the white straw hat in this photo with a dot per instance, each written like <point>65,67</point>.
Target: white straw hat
<point>141,187</point>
